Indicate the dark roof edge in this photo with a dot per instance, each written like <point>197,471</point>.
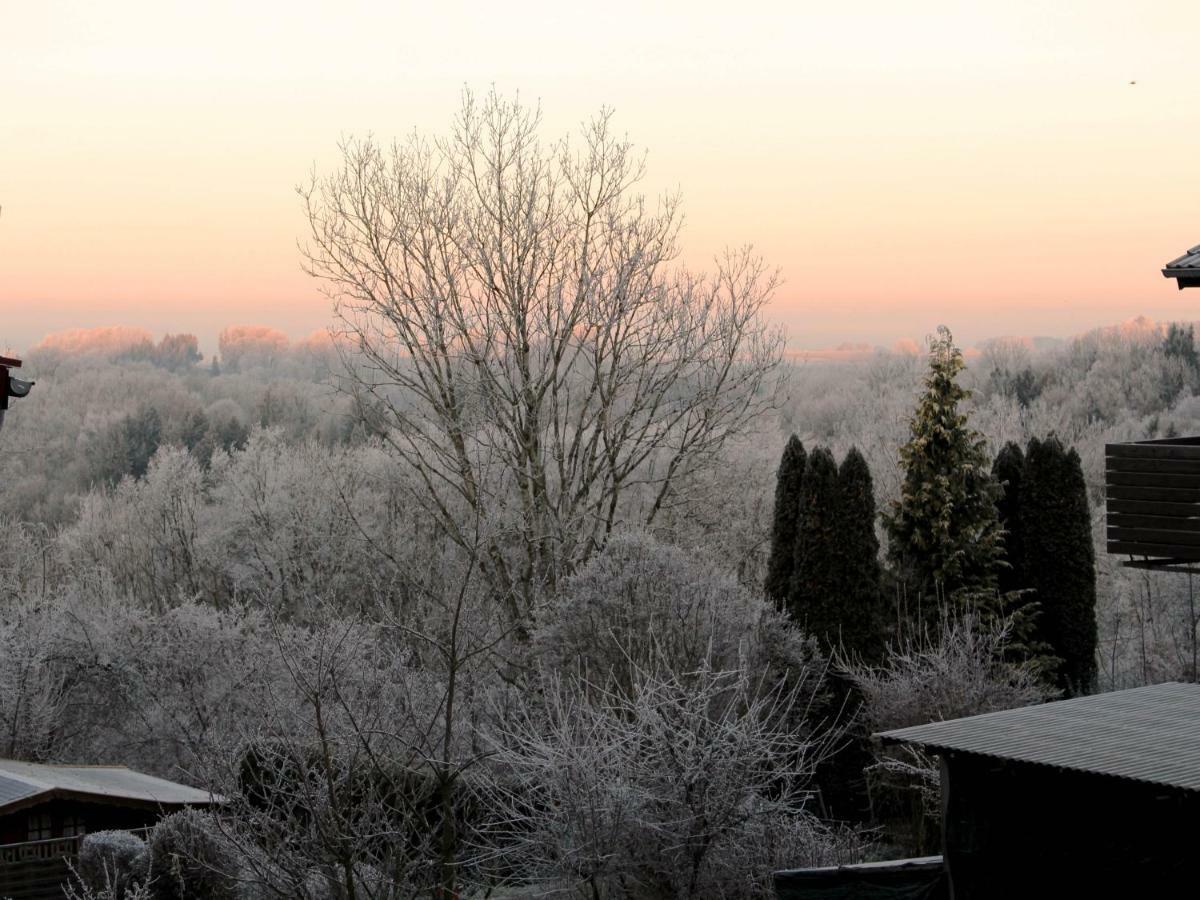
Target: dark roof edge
<point>943,750</point>
<point>104,799</point>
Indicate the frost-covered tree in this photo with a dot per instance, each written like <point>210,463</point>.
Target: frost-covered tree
<point>178,352</point>
<point>944,533</point>
<point>863,626</point>
<point>34,689</point>
<point>815,600</point>
<point>782,561</point>
<point>1007,470</point>
<point>540,363</point>
<point>1060,562</point>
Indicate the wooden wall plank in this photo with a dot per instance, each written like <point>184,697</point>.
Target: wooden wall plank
<point>1156,523</point>
<point>1167,494</point>
<point>1152,479</point>
<point>1164,508</point>
<point>1130,548</point>
<point>1155,536</point>
<point>1166,466</point>
<point>1152,451</point>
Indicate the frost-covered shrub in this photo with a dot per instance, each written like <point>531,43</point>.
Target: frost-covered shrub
<point>329,883</point>
<point>643,606</point>
<point>962,670</point>
<point>682,788</point>
<point>112,864</point>
<point>190,858</point>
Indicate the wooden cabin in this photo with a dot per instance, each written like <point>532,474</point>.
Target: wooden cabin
<point>1091,797</point>
<point>45,811</point>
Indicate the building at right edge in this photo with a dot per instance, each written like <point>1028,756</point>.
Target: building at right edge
<point>1092,797</point>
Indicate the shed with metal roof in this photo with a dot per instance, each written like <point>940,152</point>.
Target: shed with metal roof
<point>1094,796</point>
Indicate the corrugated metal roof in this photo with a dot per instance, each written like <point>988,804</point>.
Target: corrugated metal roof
<point>1189,260</point>
<point>13,789</point>
<point>1149,734</point>
<point>21,780</point>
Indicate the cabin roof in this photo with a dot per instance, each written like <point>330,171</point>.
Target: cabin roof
<point>1149,734</point>
<point>1185,268</point>
<point>23,783</point>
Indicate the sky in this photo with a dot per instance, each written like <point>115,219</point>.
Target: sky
<point>989,166</point>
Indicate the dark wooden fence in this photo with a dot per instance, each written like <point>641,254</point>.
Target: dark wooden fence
<point>38,870</point>
<point>1152,491</point>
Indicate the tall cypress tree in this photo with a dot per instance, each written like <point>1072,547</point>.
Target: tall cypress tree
<point>1007,470</point>
<point>1060,564</point>
<point>944,533</point>
<point>813,600</point>
<point>863,621</point>
<point>781,562</point>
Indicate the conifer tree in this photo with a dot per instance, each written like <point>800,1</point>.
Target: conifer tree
<point>1007,469</point>
<point>863,621</point>
<point>1060,564</point>
<point>781,562</point>
<point>944,533</point>
<point>815,595</point>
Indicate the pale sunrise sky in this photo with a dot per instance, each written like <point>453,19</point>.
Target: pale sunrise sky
<point>986,165</point>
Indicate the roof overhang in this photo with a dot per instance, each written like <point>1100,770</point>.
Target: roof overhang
<point>1185,278</point>
<point>1149,734</point>
<point>46,796</point>
<point>1185,269</point>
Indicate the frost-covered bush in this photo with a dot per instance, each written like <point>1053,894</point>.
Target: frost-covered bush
<point>962,670</point>
<point>678,788</point>
<point>113,865</point>
<point>190,858</point>
<point>330,884</point>
<point>646,606</point>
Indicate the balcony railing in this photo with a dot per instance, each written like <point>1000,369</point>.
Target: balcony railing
<point>1153,502</point>
<point>36,870</point>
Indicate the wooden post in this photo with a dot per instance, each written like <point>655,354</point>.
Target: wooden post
<point>946,854</point>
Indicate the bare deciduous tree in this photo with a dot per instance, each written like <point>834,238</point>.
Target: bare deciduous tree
<point>531,351</point>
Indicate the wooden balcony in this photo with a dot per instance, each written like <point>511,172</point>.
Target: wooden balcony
<point>37,870</point>
<point>1153,502</point>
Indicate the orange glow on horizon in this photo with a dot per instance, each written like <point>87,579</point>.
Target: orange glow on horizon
<point>986,166</point>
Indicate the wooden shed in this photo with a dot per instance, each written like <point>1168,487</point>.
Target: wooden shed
<point>45,810</point>
<point>1093,797</point>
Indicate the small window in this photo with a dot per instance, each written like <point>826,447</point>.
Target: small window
<point>40,828</point>
<point>73,826</point>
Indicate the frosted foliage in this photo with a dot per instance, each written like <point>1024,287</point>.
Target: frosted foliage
<point>189,857</point>
<point>643,605</point>
<point>532,349</point>
<point>679,788</point>
<point>33,690</point>
<point>959,671</point>
<point>112,865</point>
